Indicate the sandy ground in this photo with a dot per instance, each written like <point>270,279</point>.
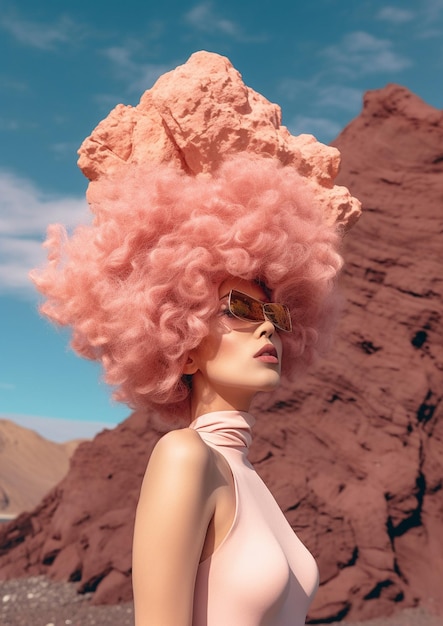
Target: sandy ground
<point>36,601</point>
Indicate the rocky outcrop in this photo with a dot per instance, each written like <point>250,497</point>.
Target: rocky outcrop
<point>385,414</point>
<point>195,116</point>
<point>354,452</point>
<point>81,531</point>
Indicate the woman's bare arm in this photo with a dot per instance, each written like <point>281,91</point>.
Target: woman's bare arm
<point>174,510</point>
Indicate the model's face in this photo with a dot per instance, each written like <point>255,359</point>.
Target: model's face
<point>237,359</point>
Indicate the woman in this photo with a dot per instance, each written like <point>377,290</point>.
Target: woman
<point>210,544</point>
<point>196,292</point>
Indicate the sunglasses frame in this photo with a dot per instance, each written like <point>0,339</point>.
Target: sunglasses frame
<point>267,314</point>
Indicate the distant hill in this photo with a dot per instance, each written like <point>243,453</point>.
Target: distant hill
<point>30,466</point>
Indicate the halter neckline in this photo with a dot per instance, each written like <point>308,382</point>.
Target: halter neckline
<point>225,428</point>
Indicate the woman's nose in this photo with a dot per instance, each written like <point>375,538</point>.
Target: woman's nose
<point>266,328</point>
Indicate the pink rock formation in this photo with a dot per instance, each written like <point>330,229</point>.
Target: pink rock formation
<point>196,115</point>
<point>354,452</point>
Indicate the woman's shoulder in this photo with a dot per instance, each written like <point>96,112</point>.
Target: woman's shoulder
<point>183,444</point>
<point>183,452</point>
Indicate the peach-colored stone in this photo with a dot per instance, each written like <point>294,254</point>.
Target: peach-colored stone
<point>197,115</point>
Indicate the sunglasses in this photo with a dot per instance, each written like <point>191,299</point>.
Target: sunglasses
<point>249,309</point>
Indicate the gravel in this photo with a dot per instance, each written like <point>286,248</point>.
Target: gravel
<point>37,601</point>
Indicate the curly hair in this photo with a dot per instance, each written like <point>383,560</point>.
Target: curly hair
<point>140,284</point>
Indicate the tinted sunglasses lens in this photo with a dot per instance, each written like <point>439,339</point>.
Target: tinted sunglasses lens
<point>245,308</point>
<point>279,315</point>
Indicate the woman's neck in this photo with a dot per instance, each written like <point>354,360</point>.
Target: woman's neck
<point>204,400</point>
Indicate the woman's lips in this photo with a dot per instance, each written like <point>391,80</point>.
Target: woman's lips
<point>267,354</point>
<point>267,358</point>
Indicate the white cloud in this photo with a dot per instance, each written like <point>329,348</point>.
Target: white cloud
<point>17,257</point>
<point>432,26</point>
<point>345,98</point>
<point>7,386</point>
<point>322,96</point>
<point>361,53</point>
<point>58,429</point>
<point>321,127</point>
<point>138,76</point>
<point>9,83</point>
<point>395,15</point>
<point>107,101</point>
<point>292,88</point>
<point>432,9</point>
<point>25,212</point>
<point>203,17</point>
<point>8,124</point>
<point>64,148</point>
<point>39,35</point>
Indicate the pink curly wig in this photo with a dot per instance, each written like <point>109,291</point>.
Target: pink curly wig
<point>140,285</point>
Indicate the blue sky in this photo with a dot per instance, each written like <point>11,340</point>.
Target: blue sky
<point>66,64</point>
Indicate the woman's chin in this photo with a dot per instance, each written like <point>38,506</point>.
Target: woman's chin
<point>271,383</point>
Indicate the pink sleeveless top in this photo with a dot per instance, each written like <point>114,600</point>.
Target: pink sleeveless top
<point>261,574</point>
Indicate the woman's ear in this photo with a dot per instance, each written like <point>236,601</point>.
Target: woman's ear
<point>190,366</point>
